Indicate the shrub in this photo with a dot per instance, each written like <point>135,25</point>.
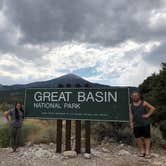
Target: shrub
<point>122,133</point>
<point>27,130</point>
<point>45,135</point>
<point>157,138</point>
<point>125,135</point>
<point>4,135</point>
<point>115,131</point>
<point>4,107</point>
<point>163,128</point>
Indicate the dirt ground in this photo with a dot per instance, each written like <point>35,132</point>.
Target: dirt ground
<point>105,155</point>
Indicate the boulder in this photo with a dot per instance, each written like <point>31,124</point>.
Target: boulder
<point>87,155</point>
<point>70,154</point>
<point>157,163</point>
<point>43,153</point>
<point>123,152</point>
<point>29,144</point>
<point>51,144</point>
<point>105,150</point>
<point>155,155</point>
<point>121,145</point>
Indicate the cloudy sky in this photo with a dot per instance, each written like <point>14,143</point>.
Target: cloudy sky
<point>106,41</point>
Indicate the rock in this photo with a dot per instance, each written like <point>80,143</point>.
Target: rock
<point>64,163</point>
<point>87,155</point>
<point>21,154</point>
<point>29,144</point>
<point>155,155</point>
<point>43,153</point>
<point>123,152</point>
<point>121,145</point>
<point>51,144</point>
<point>157,163</point>
<point>63,157</point>
<point>106,139</point>
<point>96,153</point>
<point>105,150</point>
<point>69,154</point>
<point>55,157</point>
<point>44,146</point>
<point>2,163</point>
<point>47,154</point>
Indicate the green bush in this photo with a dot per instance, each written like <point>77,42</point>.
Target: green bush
<point>157,138</point>
<point>4,136</point>
<point>27,130</point>
<point>46,135</point>
<point>122,133</point>
<point>163,128</point>
<point>125,135</point>
<point>115,131</point>
<point>4,107</point>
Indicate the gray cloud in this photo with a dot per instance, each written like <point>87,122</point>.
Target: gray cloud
<point>1,4</point>
<point>95,21</point>
<point>98,23</point>
<point>157,54</point>
<point>9,43</point>
<point>11,69</point>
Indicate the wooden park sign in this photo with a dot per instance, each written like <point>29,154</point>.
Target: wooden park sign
<point>111,104</point>
<point>88,104</point>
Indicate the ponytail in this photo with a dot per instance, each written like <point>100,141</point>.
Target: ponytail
<point>17,117</point>
<point>21,109</point>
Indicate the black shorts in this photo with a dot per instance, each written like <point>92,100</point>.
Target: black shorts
<point>142,131</point>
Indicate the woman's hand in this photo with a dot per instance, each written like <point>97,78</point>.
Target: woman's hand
<point>145,116</point>
<point>6,115</point>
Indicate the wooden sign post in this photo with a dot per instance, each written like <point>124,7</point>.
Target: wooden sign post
<point>59,137</point>
<point>68,129</point>
<point>59,132</point>
<point>78,136</point>
<point>87,137</point>
<point>87,132</point>
<point>68,135</point>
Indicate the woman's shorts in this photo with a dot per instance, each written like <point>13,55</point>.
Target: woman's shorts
<point>142,131</point>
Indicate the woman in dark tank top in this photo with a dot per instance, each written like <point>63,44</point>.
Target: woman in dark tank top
<point>140,112</point>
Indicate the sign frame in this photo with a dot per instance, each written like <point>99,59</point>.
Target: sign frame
<point>97,120</point>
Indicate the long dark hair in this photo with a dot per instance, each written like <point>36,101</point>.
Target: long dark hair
<point>17,117</point>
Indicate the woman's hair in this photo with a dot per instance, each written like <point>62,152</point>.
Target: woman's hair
<point>138,92</point>
<point>17,117</point>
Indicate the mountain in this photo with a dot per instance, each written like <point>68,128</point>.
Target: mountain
<point>16,92</point>
<point>1,86</point>
<point>65,80</point>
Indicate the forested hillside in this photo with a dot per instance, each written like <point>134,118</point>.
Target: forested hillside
<point>154,91</point>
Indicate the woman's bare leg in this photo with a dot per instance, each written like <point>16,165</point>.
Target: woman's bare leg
<point>147,146</point>
<point>140,144</point>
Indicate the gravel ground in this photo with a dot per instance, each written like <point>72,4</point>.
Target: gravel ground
<point>103,155</point>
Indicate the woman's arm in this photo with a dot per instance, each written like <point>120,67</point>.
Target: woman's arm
<point>150,108</point>
<point>131,118</point>
<point>7,116</point>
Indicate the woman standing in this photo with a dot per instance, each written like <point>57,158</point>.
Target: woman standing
<point>140,113</point>
<point>15,118</point>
